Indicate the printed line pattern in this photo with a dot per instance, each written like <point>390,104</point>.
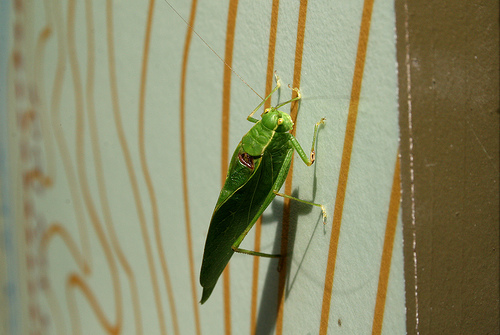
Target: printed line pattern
<point>385,263</point>
<point>192,273</point>
<point>62,26</point>
<point>258,226</point>
<point>299,49</point>
<point>346,159</point>
<point>94,219</point>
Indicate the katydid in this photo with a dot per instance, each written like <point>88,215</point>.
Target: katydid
<point>257,171</point>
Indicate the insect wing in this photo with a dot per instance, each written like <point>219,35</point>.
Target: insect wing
<point>230,218</point>
<point>237,174</point>
<point>238,210</point>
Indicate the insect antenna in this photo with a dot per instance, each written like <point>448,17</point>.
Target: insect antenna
<point>223,61</point>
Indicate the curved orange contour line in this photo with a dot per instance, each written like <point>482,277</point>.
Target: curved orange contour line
<point>129,165</point>
<point>74,280</point>
<point>101,181</point>
<point>145,169</point>
<point>185,194</point>
<point>81,163</point>
<point>60,138</point>
<point>56,229</point>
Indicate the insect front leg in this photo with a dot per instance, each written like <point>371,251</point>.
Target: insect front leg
<point>308,161</point>
<point>278,84</point>
<point>298,97</point>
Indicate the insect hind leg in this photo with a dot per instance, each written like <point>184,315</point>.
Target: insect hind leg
<point>254,253</point>
<point>323,210</point>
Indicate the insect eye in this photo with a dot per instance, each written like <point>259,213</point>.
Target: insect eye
<point>280,121</point>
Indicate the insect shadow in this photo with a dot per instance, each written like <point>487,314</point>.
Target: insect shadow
<point>267,315</point>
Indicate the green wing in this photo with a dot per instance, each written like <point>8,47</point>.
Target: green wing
<point>245,195</point>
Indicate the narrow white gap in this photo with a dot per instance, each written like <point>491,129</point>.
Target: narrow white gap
<point>412,170</point>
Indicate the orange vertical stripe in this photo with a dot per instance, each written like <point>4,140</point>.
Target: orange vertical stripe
<point>385,264</point>
<point>299,48</point>
<point>271,51</point>
<point>255,278</point>
<point>346,159</point>
<point>187,44</point>
<point>258,227</point>
<point>226,99</point>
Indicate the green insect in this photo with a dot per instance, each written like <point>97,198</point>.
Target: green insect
<point>257,171</point>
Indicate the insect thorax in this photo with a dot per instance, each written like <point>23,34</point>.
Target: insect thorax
<point>257,139</point>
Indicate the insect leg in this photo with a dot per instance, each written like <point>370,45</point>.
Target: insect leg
<point>305,202</point>
<point>255,253</point>
<point>308,161</point>
<point>236,244</point>
<point>240,238</point>
<point>298,97</point>
<point>278,84</point>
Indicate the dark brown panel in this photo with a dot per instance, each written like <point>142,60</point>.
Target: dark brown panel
<point>450,52</point>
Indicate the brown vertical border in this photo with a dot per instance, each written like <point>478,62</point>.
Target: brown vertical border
<point>449,119</point>
<point>346,160</point>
